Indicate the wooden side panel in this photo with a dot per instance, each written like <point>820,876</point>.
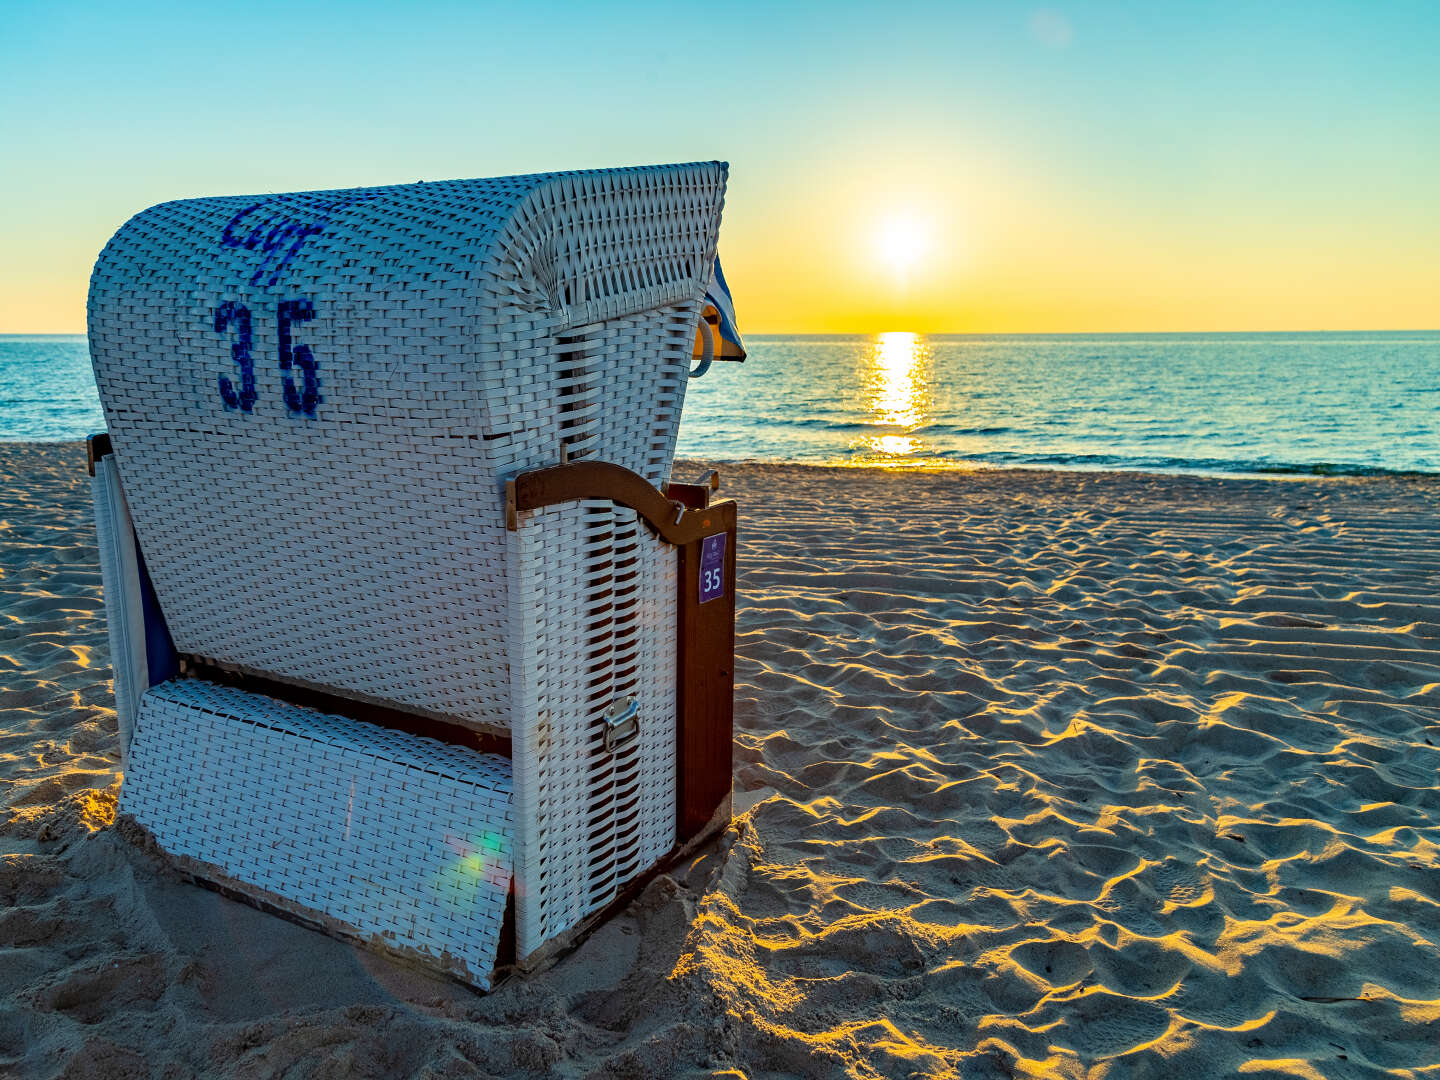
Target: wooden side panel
<point>706,679</point>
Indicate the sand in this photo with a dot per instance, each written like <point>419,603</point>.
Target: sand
<point>1043,774</point>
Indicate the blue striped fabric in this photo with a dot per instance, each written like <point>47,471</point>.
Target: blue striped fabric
<point>731,345</point>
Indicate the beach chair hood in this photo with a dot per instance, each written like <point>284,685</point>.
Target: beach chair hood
<point>315,400</point>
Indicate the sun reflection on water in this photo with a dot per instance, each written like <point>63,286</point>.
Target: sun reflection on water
<point>895,386</point>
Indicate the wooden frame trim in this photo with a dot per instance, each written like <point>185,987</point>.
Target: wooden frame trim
<point>365,711</point>
<point>676,524</point>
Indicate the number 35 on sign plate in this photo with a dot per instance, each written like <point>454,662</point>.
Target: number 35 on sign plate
<point>712,567</point>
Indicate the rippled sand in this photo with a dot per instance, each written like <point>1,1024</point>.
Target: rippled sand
<point>1047,774</point>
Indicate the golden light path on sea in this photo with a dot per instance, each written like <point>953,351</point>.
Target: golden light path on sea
<point>895,385</point>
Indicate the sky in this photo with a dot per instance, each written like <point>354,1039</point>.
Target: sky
<point>931,167</point>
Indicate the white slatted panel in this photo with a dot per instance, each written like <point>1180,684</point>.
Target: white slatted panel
<point>400,841</point>
<point>588,633</point>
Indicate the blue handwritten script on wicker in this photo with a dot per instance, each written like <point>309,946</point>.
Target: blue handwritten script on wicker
<point>334,516</point>
<point>276,229</point>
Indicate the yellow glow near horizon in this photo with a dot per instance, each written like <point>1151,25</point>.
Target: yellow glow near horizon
<point>938,243</point>
<point>1004,249</point>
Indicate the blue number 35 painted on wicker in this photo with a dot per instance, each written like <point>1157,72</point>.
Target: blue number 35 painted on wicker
<point>301,399</point>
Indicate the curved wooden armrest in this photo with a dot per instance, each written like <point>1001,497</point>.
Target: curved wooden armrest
<point>606,480</point>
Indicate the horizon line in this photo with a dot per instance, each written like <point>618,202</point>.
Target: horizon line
<point>957,333</point>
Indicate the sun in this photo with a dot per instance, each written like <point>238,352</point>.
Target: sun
<point>902,240</point>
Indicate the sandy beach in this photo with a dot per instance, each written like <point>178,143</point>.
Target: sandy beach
<point>1042,774</point>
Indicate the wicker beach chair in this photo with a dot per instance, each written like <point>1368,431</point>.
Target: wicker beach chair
<point>409,641</point>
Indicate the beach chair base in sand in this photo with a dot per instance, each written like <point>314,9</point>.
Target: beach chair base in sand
<point>405,834</point>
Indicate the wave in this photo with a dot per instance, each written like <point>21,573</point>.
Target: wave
<point>864,426</point>
<point>1090,463</point>
<point>1208,466</point>
<point>959,429</point>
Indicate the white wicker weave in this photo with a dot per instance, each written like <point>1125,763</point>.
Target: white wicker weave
<point>400,841</point>
<point>315,400</point>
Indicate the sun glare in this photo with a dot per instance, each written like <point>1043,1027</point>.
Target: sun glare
<point>901,241</point>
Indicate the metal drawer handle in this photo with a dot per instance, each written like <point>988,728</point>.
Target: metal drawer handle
<point>622,723</point>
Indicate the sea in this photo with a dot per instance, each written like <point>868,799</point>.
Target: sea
<point>1246,403</point>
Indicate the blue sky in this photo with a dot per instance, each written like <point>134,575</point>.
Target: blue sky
<point>1075,166</point>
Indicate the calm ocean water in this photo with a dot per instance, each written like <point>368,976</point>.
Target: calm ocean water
<point>1285,403</point>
